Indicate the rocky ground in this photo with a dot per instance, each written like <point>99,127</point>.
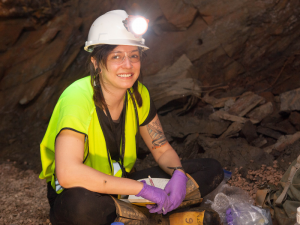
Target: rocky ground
<point>22,196</point>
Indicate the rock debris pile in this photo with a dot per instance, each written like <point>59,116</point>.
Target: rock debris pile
<point>256,178</point>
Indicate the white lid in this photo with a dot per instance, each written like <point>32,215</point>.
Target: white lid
<point>298,215</point>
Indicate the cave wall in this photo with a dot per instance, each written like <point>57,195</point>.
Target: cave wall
<point>41,47</point>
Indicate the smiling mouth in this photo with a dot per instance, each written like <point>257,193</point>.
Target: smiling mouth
<point>125,75</point>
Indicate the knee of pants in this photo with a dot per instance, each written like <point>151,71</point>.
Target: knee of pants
<point>216,166</point>
<point>77,205</point>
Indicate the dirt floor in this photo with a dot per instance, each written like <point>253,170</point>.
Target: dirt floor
<point>22,196</point>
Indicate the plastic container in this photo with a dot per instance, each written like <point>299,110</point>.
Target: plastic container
<point>117,223</point>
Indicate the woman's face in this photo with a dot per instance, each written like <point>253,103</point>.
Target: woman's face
<point>123,67</point>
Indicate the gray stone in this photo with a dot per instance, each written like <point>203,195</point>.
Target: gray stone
<point>232,130</point>
<point>172,83</point>
<point>218,103</point>
<point>184,125</point>
<point>245,103</point>
<point>283,126</point>
<point>268,132</point>
<point>283,142</point>
<point>290,100</point>
<point>261,112</point>
<point>249,131</point>
<point>218,115</point>
<point>295,118</point>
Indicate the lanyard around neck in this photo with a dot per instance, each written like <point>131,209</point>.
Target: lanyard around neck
<point>114,153</point>
<point>113,129</point>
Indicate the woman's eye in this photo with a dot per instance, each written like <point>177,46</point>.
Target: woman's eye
<point>134,56</point>
<point>116,57</point>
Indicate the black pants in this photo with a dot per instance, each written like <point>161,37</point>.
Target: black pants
<point>79,206</point>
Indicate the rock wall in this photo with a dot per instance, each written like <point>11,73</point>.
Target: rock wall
<point>41,47</point>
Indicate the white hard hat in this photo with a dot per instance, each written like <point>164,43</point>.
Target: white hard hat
<point>109,29</point>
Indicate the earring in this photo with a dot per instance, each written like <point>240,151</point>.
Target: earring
<point>95,83</point>
<point>98,71</point>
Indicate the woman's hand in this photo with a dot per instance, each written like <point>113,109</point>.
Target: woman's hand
<point>176,189</point>
<point>157,196</point>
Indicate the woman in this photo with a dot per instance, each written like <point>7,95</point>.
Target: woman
<point>90,145</point>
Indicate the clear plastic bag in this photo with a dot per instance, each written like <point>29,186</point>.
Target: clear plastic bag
<point>246,214</point>
<point>241,208</point>
<point>226,196</point>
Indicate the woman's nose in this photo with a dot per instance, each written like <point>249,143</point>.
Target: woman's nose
<point>126,62</point>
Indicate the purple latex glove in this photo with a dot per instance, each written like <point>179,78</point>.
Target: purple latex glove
<point>176,189</point>
<point>157,196</point>
<point>229,217</point>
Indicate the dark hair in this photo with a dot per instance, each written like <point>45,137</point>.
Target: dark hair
<point>100,54</point>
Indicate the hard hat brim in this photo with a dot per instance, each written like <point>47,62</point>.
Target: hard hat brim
<point>89,46</point>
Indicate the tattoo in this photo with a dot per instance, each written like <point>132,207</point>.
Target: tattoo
<point>156,133</point>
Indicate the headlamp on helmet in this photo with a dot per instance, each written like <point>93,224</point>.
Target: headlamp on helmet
<point>137,25</point>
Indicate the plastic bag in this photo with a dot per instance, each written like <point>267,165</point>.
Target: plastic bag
<point>246,214</point>
<point>227,196</point>
<point>239,207</point>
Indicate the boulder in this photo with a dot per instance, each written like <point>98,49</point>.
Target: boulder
<point>268,132</point>
<point>259,113</point>
<point>273,119</point>
<point>172,83</point>
<point>283,142</point>
<point>283,126</point>
<point>182,126</point>
<point>249,132</point>
<point>290,100</point>
<point>232,130</point>
<point>218,115</point>
<point>295,119</point>
<point>245,103</point>
<point>218,103</point>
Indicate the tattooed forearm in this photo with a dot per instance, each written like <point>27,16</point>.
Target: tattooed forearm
<point>156,133</point>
